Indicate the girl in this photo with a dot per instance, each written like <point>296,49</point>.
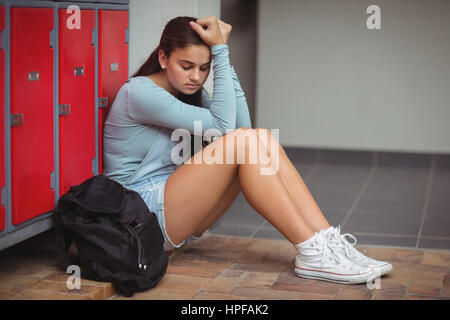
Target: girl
<point>167,94</point>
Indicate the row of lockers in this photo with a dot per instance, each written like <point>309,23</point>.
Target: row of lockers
<point>57,81</point>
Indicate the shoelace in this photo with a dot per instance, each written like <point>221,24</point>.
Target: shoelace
<point>336,246</point>
<point>331,252</point>
<point>349,247</point>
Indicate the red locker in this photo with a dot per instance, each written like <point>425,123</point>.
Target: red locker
<point>113,64</point>
<point>2,119</point>
<point>76,98</point>
<point>32,140</point>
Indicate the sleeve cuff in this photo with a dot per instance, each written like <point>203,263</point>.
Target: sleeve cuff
<point>218,48</point>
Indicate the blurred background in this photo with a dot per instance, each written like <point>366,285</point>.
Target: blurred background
<point>316,71</point>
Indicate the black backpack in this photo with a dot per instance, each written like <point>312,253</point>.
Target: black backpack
<point>117,238</point>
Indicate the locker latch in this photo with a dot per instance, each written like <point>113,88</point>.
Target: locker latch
<point>64,109</point>
<point>114,66</point>
<point>33,76</point>
<point>78,71</point>
<point>16,119</point>
<point>103,102</point>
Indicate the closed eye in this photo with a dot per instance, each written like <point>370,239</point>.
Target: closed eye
<point>203,69</point>
<point>188,65</point>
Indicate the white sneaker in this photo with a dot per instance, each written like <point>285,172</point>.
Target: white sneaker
<point>319,259</point>
<point>380,267</point>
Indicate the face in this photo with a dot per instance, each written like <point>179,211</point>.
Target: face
<point>187,68</point>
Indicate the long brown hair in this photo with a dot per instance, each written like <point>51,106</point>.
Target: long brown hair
<point>176,34</point>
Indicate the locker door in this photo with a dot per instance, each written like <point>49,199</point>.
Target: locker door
<point>2,119</point>
<point>113,63</point>
<point>76,98</point>
<point>32,146</point>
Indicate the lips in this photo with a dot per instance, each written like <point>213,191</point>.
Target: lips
<point>192,85</point>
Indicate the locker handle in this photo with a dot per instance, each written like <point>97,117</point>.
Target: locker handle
<point>16,119</point>
<point>64,109</point>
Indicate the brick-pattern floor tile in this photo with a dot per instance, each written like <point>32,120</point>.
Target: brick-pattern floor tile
<point>437,258</point>
<point>285,259</point>
<point>264,246</point>
<point>12,284</point>
<point>157,294</point>
<point>219,296</point>
<point>195,268</point>
<point>238,244</point>
<point>106,288</point>
<point>43,294</point>
<point>403,277</point>
<point>258,264</point>
<point>389,292</point>
<point>210,241</point>
<point>397,276</point>
<point>425,287</point>
<point>316,296</point>
<point>88,292</point>
<point>418,297</point>
<point>209,255</point>
<point>266,294</point>
<point>172,286</point>
<point>426,275</point>
<point>353,293</point>
<point>403,266</point>
<point>184,279</point>
<point>432,268</point>
<point>262,280</point>
<point>446,285</point>
<point>408,256</point>
<point>378,253</point>
<point>224,283</point>
<point>186,284</point>
<point>221,285</point>
<point>289,281</point>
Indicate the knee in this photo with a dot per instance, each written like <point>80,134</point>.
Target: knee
<point>242,139</point>
<point>266,135</point>
<point>263,131</point>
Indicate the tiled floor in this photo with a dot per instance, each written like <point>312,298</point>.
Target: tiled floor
<point>396,205</point>
<point>381,198</point>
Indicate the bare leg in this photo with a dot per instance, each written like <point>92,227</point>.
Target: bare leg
<point>221,207</point>
<point>295,185</point>
<point>193,190</point>
<point>293,182</point>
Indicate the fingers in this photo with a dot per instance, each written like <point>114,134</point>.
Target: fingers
<point>225,25</point>
<point>209,21</point>
<point>211,30</point>
<point>206,21</point>
<point>197,28</point>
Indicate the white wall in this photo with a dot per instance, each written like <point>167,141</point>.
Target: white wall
<point>147,21</point>
<point>325,80</point>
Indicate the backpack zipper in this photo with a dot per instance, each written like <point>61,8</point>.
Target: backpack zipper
<point>141,260</point>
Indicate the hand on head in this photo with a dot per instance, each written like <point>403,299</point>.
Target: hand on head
<point>212,30</point>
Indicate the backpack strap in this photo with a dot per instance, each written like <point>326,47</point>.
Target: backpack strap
<point>63,242</point>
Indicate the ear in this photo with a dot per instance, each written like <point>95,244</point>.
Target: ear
<point>163,60</point>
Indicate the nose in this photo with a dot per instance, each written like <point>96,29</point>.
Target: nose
<point>195,75</point>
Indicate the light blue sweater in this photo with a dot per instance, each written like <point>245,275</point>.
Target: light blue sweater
<point>141,107</point>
